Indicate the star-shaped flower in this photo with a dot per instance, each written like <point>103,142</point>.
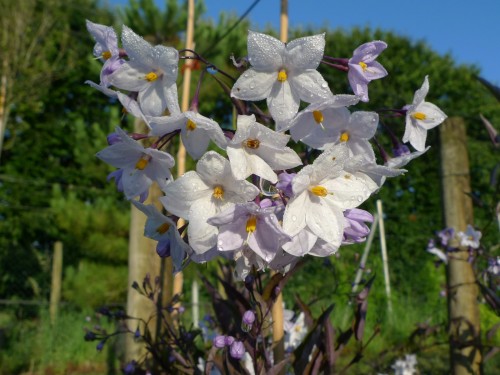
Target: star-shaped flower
<point>106,49</point>
<point>141,166</point>
<point>249,224</point>
<point>196,131</point>
<point>151,71</point>
<point>420,117</point>
<point>322,191</point>
<point>256,149</point>
<point>201,194</point>
<point>284,74</point>
<point>470,238</point>
<point>363,68</point>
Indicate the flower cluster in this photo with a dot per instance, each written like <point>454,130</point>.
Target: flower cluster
<point>265,205</point>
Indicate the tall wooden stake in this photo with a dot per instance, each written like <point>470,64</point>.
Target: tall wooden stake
<point>55,288</point>
<point>181,153</point>
<point>463,309</point>
<point>142,260</point>
<point>277,309</point>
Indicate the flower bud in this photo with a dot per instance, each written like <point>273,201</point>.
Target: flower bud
<point>248,320</point>
<point>237,350</point>
<point>219,341</point>
<point>229,340</point>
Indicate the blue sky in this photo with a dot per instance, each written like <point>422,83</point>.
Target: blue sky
<point>468,30</point>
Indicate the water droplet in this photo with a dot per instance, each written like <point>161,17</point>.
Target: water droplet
<point>360,198</point>
<point>324,85</point>
<point>220,243</point>
<point>252,87</point>
<point>294,218</point>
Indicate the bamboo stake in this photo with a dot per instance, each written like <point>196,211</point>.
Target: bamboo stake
<point>55,289</point>
<point>463,309</point>
<point>385,261</point>
<point>181,153</point>
<point>277,309</point>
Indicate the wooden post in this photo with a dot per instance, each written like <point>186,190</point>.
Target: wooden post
<point>55,289</point>
<point>142,260</point>
<point>277,309</point>
<point>463,309</point>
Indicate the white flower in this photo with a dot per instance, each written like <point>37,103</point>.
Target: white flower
<point>201,194</point>
<point>322,191</point>
<point>151,71</point>
<point>283,74</point>
<point>258,150</point>
<point>295,330</point>
<point>141,166</point>
<point>420,117</point>
<point>470,238</point>
<point>196,131</point>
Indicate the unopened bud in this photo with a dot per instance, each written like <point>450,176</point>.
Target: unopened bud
<point>237,350</point>
<point>219,341</point>
<point>248,320</point>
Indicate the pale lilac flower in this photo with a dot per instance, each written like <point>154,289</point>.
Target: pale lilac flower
<point>141,166</point>
<point>228,340</point>
<point>161,228</point>
<point>285,183</point>
<point>284,74</point>
<point>247,224</point>
<point>420,117</point>
<point>196,131</point>
<point>106,49</point>
<point>256,149</point>
<point>363,68</point>
<point>237,350</point>
<point>202,194</point>
<point>322,191</point>
<point>316,117</point>
<point>356,230</point>
<point>446,235</point>
<point>470,238</point>
<point>150,71</point>
<point>494,266</point>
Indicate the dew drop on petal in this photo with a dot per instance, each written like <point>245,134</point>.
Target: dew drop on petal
<point>360,198</point>
<point>294,218</point>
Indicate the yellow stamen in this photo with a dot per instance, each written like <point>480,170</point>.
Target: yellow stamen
<point>218,192</point>
<point>419,115</point>
<point>162,229</point>
<point>282,76</point>
<point>252,143</point>
<point>251,224</point>
<point>363,66</point>
<point>151,77</point>
<point>318,116</point>
<point>142,162</point>
<point>319,191</point>
<point>106,55</point>
<point>344,137</point>
<point>190,125</point>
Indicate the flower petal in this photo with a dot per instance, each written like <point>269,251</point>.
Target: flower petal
<point>305,53</point>
<point>152,100</point>
<point>253,85</point>
<point>325,222</point>
<point>265,52</point>
<point>310,86</point>
<point>180,194</point>
<point>283,102</point>
<point>294,218</point>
